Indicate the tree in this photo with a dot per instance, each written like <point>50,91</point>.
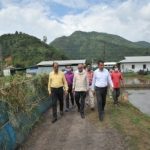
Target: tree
<point>44,39</point>
<point>16,32</point>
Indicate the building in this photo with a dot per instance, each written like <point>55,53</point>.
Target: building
<point>135,64</point>
<point>108,65</point>
<point>32,70</point>
<point>46,66</point>
<point>10,70</point>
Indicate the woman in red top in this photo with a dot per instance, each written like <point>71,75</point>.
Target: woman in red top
<point>117,77</point>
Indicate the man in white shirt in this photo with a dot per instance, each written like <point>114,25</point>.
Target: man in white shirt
<point>101,80</point>
<point>80,87</point>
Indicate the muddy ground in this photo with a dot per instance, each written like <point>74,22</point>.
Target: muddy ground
<point>71,132</point>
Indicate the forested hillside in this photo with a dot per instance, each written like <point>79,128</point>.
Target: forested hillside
<point>22,50</point>
<point>94,45</point>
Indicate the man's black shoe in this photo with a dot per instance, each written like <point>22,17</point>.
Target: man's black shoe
<point>67,110</point>
<point>82,116</point>
<point>101,117</point>
<point>54,120</point>
<point>61,113</point>
<point>92,109</point>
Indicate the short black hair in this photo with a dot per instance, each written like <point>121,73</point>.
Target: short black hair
<point>55,63</point>
<point>100,61</point>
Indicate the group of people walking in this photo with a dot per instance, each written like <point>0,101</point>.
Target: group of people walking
<point>83,85</point>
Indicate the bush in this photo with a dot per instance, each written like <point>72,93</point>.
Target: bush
<point>142,72</point>
<point>22,94</point>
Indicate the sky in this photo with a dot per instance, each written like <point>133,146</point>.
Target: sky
<point>54,18</point>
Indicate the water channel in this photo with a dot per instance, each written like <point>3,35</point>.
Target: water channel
<point>140,98</point>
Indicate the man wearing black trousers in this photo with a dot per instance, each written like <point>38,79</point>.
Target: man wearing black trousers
<point>80,86</point>
<point>101,80</point>
<point>57,84</point>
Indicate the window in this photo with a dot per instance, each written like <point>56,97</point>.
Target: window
<point>133,66</point>
<point>144,66</point>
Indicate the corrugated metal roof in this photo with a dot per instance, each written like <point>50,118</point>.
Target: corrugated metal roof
<point>136,59</point>
<point>61,62</point>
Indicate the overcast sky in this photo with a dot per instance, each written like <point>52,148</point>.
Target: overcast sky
<point>54,18</point>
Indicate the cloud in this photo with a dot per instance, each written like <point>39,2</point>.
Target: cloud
<point>127,19</point>
<point>130,18</point>
<point>73,3</point>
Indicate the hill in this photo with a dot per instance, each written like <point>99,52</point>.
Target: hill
<point>22,50</point>
<point>143,44</point>
<point>94,45</point>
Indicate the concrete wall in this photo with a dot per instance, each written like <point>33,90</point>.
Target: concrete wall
<point>127,67</point>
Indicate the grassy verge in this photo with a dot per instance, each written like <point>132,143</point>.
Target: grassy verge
<point>147,76</point>
<point>135,75</point>
<point>129,121</point>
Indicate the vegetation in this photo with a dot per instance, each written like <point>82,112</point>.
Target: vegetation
<point>21,94</point>
<point>23,50</point>
<point>22,100</point>
<point>130,74</point>
<point>136,75</point>
<point>128,121</point>
<point>94,45</point>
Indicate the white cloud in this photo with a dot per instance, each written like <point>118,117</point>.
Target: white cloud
<point>73,3</point>
<point>31,19</point>
<point>128,19</point>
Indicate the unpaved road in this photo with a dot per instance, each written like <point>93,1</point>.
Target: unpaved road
<point>73,133</point>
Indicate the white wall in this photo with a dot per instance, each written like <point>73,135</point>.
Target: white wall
<point>127,67</point>
<point>6,72</point>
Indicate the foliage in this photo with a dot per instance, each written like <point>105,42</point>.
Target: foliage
<point>25,50</point>
<point>142,72</point>
<point>23,94</point>
<point>94,45</point>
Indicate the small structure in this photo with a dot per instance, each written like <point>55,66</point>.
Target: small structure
<point>108,65</point>
<point>10,70</point>
<point>135,64</point>
<point>46,66</point>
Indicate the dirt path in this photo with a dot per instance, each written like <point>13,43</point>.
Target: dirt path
<point>72,133</point>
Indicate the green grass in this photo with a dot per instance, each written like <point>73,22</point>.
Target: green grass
<point>129,121</point>
<point>135,75</point>
<point>147,76</point>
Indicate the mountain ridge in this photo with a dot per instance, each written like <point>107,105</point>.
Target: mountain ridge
<point>99,45</point>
